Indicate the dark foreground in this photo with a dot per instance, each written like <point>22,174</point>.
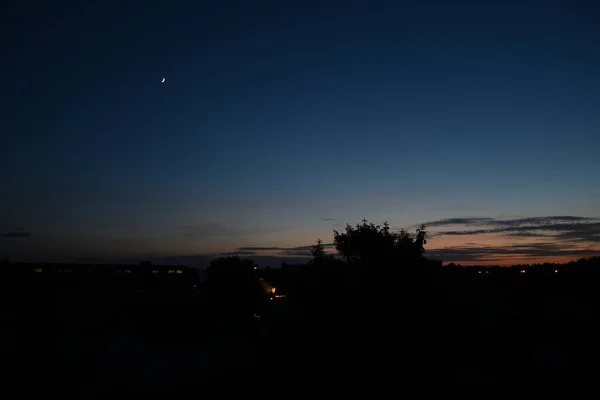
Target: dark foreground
<point>90,337</point>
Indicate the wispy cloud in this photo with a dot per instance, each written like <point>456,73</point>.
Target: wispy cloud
<point>297,251</point>
<point>329,219</point>
<point>485,255</point>
<point>540,237</point>
<point>282,248</point>
<point>459,221</point>
<point>238,253</point>
<point>561,227</point>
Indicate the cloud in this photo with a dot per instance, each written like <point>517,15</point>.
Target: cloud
<point>556,236</point>
<point>540,220</point>
<point>504,253</point>
<point>298,251</point>
<point>17,235</point>
<point>513,222</point>
<point>560,227</point>
<point>458,221</point>
<point>585,233</point>
<point>259,248</point>
<point>238,253</point>
<point>326,245</point>
<point>329,219</point>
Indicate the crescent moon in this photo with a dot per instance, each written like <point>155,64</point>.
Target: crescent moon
<point>163,80</point>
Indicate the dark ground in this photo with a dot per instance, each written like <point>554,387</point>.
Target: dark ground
<point>93,338</point>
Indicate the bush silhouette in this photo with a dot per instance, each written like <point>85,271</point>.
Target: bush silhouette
<point>368,243</point>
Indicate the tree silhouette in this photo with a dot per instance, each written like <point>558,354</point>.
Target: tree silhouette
<point>370,243</point>
<point>318,252</point>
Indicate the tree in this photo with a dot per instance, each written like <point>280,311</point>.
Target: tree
<point>370,243</point>
<point>318,252</point>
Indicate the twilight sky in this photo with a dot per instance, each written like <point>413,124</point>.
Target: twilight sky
<point>282,120</point>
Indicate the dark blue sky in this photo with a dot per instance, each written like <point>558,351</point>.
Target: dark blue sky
<point>276,115</point>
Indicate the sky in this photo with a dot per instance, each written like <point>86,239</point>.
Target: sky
<point>280,121</point>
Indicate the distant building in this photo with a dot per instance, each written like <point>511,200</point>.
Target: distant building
<point>144,268</point>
